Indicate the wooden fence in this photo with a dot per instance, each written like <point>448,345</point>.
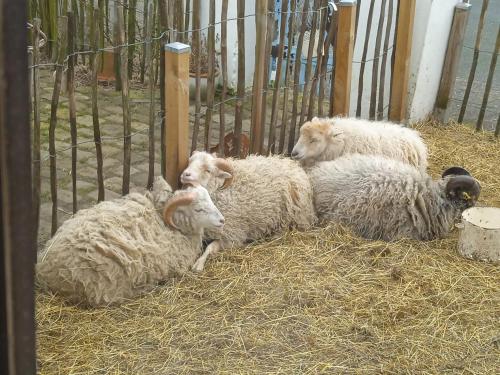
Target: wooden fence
<point>303,68</point>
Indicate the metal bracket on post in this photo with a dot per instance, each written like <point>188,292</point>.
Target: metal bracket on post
<point>177,110</point>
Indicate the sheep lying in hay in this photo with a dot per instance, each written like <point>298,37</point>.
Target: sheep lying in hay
<point>327,139</point>
<point>386,199</point>
<point>119,249</point>
<point>259,196</point>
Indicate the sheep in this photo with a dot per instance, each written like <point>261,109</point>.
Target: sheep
<point>381,198</point>
<point>324,139</point>
<point>259,197</point>
<point>122,248</point>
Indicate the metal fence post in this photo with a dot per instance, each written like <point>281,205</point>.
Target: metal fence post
<point>177,110</point>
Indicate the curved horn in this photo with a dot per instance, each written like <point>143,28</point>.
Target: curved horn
<point>467,183</point>
<point>225,166</point>
<point>458,171</point>
<point>173,204</point>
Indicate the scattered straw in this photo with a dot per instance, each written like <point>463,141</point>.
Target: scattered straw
<point>318,302</point>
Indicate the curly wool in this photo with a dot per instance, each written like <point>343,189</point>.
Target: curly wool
<point>381,198</point>
<point>116,250</point>
<point>267,195</point>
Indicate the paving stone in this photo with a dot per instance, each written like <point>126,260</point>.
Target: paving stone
<point>85,120</point>
<point>108,195</point>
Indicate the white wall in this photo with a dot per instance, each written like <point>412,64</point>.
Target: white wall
<point>432,26</point>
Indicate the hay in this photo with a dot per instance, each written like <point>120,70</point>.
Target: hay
<point>318,302</point>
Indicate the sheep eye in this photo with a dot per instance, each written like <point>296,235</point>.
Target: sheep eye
<point>314,140</point>
<point>198,210</point>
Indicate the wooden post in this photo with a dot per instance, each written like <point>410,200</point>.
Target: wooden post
<point>257,131</point>
<point>399,85</point>
<point>177,110</point>
<point>451,61</point>
<point>343,55</point>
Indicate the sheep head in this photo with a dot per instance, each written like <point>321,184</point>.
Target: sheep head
<point>315,136</point>
<point>194,211</point>
<point>461,187</point>
<point>204,169</point>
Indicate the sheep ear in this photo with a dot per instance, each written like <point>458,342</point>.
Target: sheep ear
<point>224,175</point>
<point>315,119</point>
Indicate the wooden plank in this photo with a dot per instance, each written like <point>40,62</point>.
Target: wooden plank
<point>475,58</point>
<point>17,237</point>
<point>211,75</point>
<point>240,89</point>
<point>489,81</point>
<point>296,77</point>
<point>94,65</point>
<point>383,67</point>
<point>277,81</point>
<point>197,96</point>
<point>451,61</point>
<point>149,62</point>
<point>288,70</point>
<point>131,36</point>
<point>399,86</point>
<point>61,52</point>
<point>125,103</point>
<point>72,103</point>
<point>256,132</point>
<point>223,58</point>
<point>324,63</point>
<point>163,23</point>
<point>363,59</point>
<point>343,59</point>
<point>177,107</point>
<point>81,30</point>
<point>36,123</point>
<point>376,58</point>
<point>147,18</point>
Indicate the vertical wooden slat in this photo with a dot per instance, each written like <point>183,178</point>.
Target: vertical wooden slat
<point>146,20</point>
<point>452,58</point>
<point>296,78</point>
<point>187,15</point>
<point>17,239</point>
<point>343,59</point>
<point>177,107</point>
<point>497,129</point>
<point>277,81</point>
<point>94,65</point>
<point>267,63</point>
<point>363,59</point>
<point>377,52</point>
<point>81,30</point>
<point>324,63</point>
<point>256,132</point>
<point>489,81</point>
<point>401,75</point>
<point>36,123</point>
<point>223,58</point>
<point>125,103</point>
<point>117,62</point>
<point>131,35</point>
<point>72,103</point>
<point>163,21</point>
<point>240,89</point>
<point>101,32</point>
<point>197,96</point>
<point>383,67</point>
<point>151,83</point>
<point>211,75</point>
<point>288,71</point>
<point>475,58</point>
<point>310,51</point>
<point>319,60</point>
<point>61,43</point>
<point>358,11</point>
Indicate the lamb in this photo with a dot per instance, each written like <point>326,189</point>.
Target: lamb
<point>327,139</point>
<point>259,196</point>
<point>386,199</point>
<point>120,249</point>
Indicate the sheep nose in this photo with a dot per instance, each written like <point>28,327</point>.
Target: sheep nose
<point>294,154</point>
<point>222,221</point>
<point>186,174</point>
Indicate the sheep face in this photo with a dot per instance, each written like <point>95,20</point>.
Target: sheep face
<point>192,210</point>
<point>461,188</point>
<point>203,168</point>
<point>315,135</point>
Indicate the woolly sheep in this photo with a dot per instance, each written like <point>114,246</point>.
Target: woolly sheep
<point>259,196</point>
<point>381,198</point>
<point>119,249</point>
<point>324,139</point>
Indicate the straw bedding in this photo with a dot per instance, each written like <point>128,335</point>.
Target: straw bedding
<point>323,301</point>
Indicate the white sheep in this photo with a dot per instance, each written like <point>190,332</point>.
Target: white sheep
<point>324,139</point>
<point>258,196</point>
<point>381,198</point>
<point>119,249</point>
